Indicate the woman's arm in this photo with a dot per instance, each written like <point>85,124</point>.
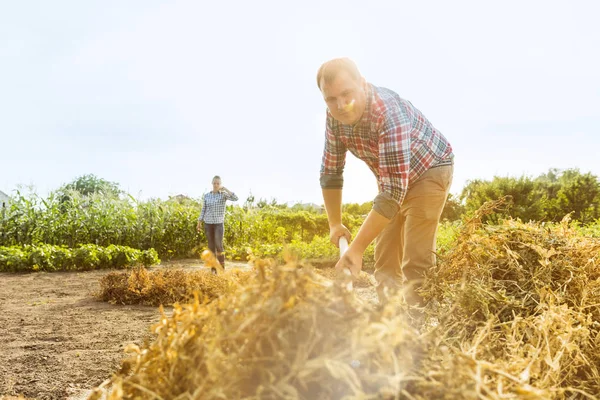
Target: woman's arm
<point>229,195</point>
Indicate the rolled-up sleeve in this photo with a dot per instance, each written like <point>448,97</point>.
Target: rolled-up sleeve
<point>231,197</point>
<point>334,158</point>
<point>394,165</point>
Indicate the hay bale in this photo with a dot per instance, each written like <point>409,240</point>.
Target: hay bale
<point>287,334</point>
<point>167,286</point>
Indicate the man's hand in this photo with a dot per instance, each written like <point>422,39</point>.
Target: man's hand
<point>336,232</point>
<point>369,230</point>
<point>199,226</point>
<point>352,261</point>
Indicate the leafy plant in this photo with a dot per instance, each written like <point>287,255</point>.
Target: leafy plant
<point>47,257</point>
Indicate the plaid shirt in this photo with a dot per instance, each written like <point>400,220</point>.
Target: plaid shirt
<point>393,138</point>
<point>213,207</point>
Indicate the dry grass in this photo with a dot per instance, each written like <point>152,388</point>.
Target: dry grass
<point>167,286</point>
<point>290,333</point>
<point>364,279</point>
<point>522,308</point>
<point>513,313</point>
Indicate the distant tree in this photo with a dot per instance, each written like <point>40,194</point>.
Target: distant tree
<point>91,184</point>
<point>357,209</point>
<point>86,186</point>
<point>525,198</point>
<point>549,197</point>
<point>580,194</point>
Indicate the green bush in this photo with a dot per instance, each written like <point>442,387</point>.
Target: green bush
<point>548,197</point>
<point>13,259</point>
<point>120,256</point>
<point>61,258</point>
<point>87,257</point>
<point>148,258</point>
<point>46,257</point>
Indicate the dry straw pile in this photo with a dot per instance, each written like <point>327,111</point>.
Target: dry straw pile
<point>363,280</point>
<point>170,286</point>
<point>521,310</point>
<point>514,313</point>
<point>289,333</point>
<point>167,286</point>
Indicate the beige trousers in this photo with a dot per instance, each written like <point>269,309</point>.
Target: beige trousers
<point>405,249</point>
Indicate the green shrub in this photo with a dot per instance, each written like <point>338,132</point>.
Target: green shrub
<point>61,258</point>
<point>13,259</point>
<point>86,257</point>
<point>121,256</point>
<point>149,257</point>
<point>45,257</point>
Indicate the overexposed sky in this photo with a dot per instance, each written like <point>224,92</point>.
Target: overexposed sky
<point>159,96</point>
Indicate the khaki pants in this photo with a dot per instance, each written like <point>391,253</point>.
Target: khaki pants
<point>405,249</point>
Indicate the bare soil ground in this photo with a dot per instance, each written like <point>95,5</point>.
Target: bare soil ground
<point>57,341</point>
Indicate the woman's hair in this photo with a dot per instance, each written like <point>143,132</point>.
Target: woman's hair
<point>216,177</point>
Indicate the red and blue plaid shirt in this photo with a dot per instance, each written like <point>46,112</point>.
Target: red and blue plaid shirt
<point>393,138</point>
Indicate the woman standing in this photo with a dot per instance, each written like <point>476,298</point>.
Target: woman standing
<point>213,216</point>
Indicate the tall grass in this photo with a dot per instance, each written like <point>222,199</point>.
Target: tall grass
<point>167,226</point>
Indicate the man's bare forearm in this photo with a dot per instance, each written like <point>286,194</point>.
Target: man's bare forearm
<point>333,205</point>
<point>373,225</point>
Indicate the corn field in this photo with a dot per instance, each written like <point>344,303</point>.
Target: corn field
<point>168,226</point>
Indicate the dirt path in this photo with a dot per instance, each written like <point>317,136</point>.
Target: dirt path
<point>57,341</point>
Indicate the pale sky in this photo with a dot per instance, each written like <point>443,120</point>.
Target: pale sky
<point>159,96</point>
